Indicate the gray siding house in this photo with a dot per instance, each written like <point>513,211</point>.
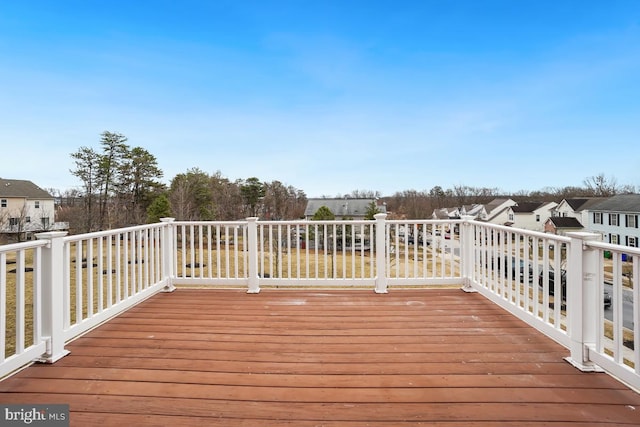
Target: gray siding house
<point>616,219</point>
<point>343,208</point>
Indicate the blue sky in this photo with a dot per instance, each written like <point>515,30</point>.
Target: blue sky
<point>328,96</point>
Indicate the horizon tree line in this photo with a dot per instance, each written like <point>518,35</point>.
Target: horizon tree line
<point>120,186</point>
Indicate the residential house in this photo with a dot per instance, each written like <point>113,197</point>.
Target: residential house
<point>343,207</point>
<point>498,211</point>
<point>477,211</point>
<point>446,213</point>
<point>25,209</point>
<point>616,219</point>
<point>530,215</point>
<point>494,212</point>
<point>577,208</point>
<point>562,224</point>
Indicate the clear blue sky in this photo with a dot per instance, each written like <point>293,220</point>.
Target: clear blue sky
<point>328,96</point>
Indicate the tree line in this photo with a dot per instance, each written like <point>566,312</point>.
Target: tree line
<point>120,186</point>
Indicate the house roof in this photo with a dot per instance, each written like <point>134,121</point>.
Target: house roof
<point>565,222</point>
<point>22,188</point>
<point>628,203</point>
<point>584,203</point>
<point>446,213</point>
<point>344,207</point>
<point>473,209</point>
<point>497,206</point>
<point>526,207</point>
<point>496,203</point>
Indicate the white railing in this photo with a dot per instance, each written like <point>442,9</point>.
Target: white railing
<point>575,289</point>
<point>516,269</point>
<point>56,288</point>
<point>62,286</point>
<point>317,253</point>
<point>107,272</point>
<point>611,342</point>
<point>20,304</point>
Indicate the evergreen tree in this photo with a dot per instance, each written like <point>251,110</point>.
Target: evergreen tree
<point>159,208</point>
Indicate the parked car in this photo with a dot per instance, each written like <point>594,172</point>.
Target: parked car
<point>563,286</point>
<point>563,282</point>
<point>607,299</point>
<point>516,272</point>
<point>411,240</point>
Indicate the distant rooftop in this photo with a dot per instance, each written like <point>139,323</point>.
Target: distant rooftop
<point>22,188</point>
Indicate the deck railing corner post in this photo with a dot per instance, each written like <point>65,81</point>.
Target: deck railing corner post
<point>252,246</point>
<point>168,253</point>
<point>582,298</point>
<point>466,253</point>
<point>381,253</point>
<point>52,303</point>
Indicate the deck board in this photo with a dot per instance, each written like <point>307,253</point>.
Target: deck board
<point>330,357</point>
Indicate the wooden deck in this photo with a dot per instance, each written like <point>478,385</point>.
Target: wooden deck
<point>321,358</point>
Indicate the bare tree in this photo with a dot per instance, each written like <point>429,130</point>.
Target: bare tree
<point>365,194</point>
<point>4,226</point>
<point>18,223</point>
<point>601,186</point>
<point>227,198</point>
<point>283,202</point>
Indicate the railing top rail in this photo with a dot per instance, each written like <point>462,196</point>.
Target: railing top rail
<point>522,231</point>
<point>227,223</point>
<point>612,247</point>
<point>104,233</point>
<point>424,221</point>
<point>23,245</point>
<point>318,222</point>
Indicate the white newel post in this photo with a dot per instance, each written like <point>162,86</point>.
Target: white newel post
<point>582,299</point>
<point>466,253</point>
<point>252,244</point>
<point>53,296</point>
<point>381,253</point>
<point>168,253</point>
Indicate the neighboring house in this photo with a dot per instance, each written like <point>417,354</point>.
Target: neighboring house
<point>25,209</point>
<point>498,211</point>
<point>446,213</point>
<point>561,224</point>
<point>494,212</point>
<point>344,207</point>
<point>530,215</point>
<point>477,211</point>
<point>616,219</point>
<point>577,208</point>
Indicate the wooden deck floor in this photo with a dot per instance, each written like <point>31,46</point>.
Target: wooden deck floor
<point>321,358</point>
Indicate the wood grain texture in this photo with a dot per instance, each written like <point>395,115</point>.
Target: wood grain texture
<point>321,358</point>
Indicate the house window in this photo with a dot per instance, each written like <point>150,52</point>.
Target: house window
<point>13,222</point>
<point>28,219</point>
<point>45,222</point>
<point>597,217</point>
<point>632,221</point>
<point>37,204</point>
<point>613,219</point>
<point>633,242</point>
<point>613,239</point>
<point>510,217</point>
<point>537,218</point>
<point>3,203</point>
